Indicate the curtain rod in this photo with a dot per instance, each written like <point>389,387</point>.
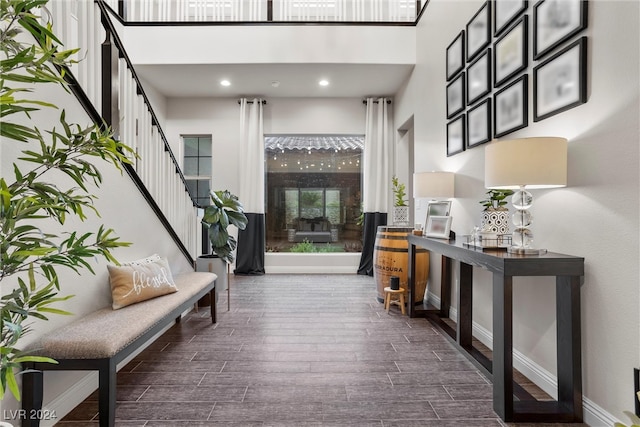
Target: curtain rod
<point>264,102</point>
<point>364,101</point>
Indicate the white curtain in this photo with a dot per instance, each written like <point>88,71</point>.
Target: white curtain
<point>252,155</point>
<point>378,156</point>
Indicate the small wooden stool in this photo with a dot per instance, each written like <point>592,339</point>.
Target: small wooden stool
<point>388,301</point>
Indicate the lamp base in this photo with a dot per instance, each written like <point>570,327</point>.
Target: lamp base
<point>525,251</point>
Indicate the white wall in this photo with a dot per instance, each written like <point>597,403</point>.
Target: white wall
<point>596,216</point>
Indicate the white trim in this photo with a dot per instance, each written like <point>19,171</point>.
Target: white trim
<point>309,263</point>
<point>594,415</point>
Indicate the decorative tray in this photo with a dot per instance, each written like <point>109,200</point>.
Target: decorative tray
<point>499,242</point>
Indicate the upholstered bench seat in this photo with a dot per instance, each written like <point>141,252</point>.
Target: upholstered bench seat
<point>102,339</point>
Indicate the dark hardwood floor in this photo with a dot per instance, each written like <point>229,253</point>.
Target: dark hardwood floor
<point>303,351</point>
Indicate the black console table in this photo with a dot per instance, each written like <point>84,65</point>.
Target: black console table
<point>510,401</point>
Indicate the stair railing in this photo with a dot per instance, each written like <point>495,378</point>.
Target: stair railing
<point>104,78</point>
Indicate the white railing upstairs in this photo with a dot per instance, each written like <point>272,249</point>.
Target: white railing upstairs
<point>78,24</point>
<point>268,10</point>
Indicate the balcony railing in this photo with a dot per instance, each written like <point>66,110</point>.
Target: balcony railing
<point>392,11</point>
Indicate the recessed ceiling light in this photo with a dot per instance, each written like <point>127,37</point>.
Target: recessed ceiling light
<point>323,82</point>
<point>225,83</point>
<point>275,83</point>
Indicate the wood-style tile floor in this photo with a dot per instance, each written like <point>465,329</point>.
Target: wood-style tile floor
<point>300,351</point>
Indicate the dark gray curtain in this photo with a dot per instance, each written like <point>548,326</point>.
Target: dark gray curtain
<point>369,230</point>
<point>251,244</point>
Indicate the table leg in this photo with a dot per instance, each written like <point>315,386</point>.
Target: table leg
<point>411,279</point>
<point>503,346</point>
<point>445,287</point>
<point>569,343</point>
<point>465,300</point>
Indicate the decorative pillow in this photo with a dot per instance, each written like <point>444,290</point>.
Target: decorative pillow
<point>142,261</point>
<point>135,283</point>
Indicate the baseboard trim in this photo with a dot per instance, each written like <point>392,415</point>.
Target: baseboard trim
<point>594,415</point>
<point>67,401</point>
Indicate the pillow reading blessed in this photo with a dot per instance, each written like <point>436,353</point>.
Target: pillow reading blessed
<point>135,283</point>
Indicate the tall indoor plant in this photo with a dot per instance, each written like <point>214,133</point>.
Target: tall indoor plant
<point>31,205</point>
<point>225,210</point>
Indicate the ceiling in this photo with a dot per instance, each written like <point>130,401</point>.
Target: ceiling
<point>295,80</point>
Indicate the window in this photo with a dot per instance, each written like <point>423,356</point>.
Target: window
<point>197,168</point>
<point>313,192</point>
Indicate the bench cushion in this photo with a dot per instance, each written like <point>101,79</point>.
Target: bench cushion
<point>85,338</point>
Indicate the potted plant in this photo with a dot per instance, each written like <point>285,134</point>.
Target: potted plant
<point>33,208</point>
<point>495,216</point>
<point>225,210</point>
<point>400,207</point>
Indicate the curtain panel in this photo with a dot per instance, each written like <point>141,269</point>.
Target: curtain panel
<point>376,175</point>
<point>251,240</point>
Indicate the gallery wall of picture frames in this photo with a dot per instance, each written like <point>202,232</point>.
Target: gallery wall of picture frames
<point>488,67</point>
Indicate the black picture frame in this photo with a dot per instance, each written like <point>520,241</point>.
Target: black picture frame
<point>479,124</point>
<point>456,96</point>
<point>479,31</point>
<point>456,135</point>
<point>455,56</point>
<point>556,21</point>
<point>505,12</point>
<point>511,107</point>
<point>479,77</point>
<point>510,52</point>
<point>560,82</point>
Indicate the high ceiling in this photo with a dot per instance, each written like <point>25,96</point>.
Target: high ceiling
<point>294,80</point>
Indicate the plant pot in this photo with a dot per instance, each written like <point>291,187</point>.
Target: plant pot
<point>213,264</point>
<point>496,221</point>
<point>400,215</point>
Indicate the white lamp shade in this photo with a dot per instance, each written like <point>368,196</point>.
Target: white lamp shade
<point>433,184</point>
<point>539,162</point>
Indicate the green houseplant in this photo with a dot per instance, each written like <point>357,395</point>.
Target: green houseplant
<point>31,205</point>
<point>225,210</point>
<point>400,207</point>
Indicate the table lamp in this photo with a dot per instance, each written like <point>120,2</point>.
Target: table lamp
<point>521,164</point>
<point>433,184</point>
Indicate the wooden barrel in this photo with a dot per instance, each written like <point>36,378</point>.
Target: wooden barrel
<point>391,258</point>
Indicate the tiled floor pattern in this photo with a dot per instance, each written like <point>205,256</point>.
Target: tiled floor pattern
<point>300,351</point>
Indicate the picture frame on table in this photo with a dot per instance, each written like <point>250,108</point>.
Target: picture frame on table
<point>456,135</point>
<point>510,107</point>
<point>479,31</point>
<point>455,96</point>
<point>438,208</point>
<point>479,124</point>
<point>479,77</point>
<point>556,21</point>
<point>560,82</point>
<point>505,12</point>
<point>438,226</point>
<point>510,52</point>
<point>455,56</point>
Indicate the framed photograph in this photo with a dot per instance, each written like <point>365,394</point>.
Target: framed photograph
<point>510,52</point>
<point>555,21</point>
<point>438,208</point>
<point>560,83</point>
<point>455,56</point>
<point>438,226</point>
<point>455,96</point>
<point>479,124</point>
<point>505,12</point>
<point>479,31</point>
<point>479,78</point>
<point>511,107</point>
<point>455,136</point>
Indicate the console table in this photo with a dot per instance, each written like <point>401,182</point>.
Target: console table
<point>510,401</point>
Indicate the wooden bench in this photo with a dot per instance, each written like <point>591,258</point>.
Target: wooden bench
<point>104,338</point>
